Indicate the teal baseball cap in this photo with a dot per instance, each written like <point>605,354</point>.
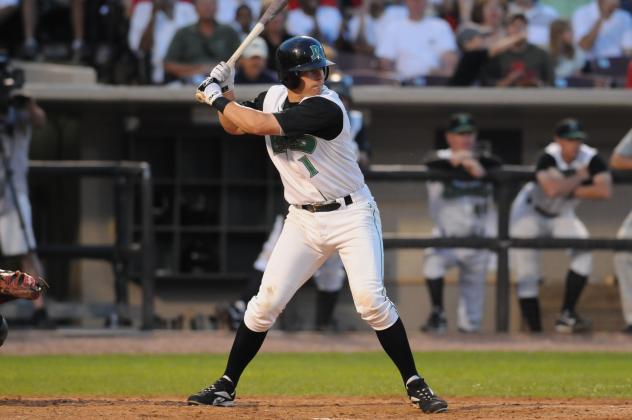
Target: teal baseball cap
<point>461,123</point>
<point>571,129</point>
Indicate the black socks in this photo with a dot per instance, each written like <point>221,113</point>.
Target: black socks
<point>246,345</point>
<point>435,290</point>
<point>574,286</point>
<point>395,342</point>
<point>325,304</point>
<point>530,308</point>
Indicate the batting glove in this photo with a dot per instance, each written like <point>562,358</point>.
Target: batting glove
<point>224,75</point>
<point>208,91</point>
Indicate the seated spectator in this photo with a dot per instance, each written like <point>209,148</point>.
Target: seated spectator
<point>152,27</point>
<point>320,22</point>
<point>251,67</point>
<point>274,34</point>
<point>459,208</point>
<point>371,20</point>
<point>227,9</point>
<point>600,27</point>
<point>540,16</point>
<point>243,21</point>
<point>567,59</point>
<point>195,49</point>
<point>30,14</point>
<point>475,53</point>
<point>491,15</point>
<point>523,64</point>
<point>418,45</point>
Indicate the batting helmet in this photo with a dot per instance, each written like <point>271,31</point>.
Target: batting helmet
<point>4,330</point>
<point>297,54</point>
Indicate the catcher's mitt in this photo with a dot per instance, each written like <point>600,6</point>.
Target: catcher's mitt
<point>18,285</point>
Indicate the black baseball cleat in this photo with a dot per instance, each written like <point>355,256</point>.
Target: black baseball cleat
<point>569,323</point>
<point>436,323</point>
<point>421,396</point>
<point>221,393</point>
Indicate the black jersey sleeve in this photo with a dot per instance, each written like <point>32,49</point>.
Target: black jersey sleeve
<point>545,162</point>
<point>490,162</point>
<point>597,165</point>
<point>316,116</point>
<point>256,103</point>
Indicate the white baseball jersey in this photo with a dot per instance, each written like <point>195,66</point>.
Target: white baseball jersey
<point>313,169</point>
<point>552,157</point>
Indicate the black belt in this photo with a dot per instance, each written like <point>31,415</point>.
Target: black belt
<point>315,208</point>
<point>545,213</point>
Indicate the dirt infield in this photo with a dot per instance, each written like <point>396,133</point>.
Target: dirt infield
<point>314,408</point>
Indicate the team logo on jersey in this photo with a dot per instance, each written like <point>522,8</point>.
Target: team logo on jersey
<point>317,53</point>
<point>303,143</point>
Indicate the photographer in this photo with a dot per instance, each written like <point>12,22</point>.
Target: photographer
<point>19,113</point>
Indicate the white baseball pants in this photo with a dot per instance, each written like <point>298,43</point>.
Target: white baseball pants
<point>623,269</point>
<point>307,240</point>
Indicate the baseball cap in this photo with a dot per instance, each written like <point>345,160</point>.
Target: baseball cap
<point>461,123</point>
<point>257,48</point>
<point>570,128</point>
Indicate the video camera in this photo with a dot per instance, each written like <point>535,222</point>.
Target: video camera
<point>10,79</point>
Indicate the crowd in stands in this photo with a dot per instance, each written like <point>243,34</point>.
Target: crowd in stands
<point>412,42</point>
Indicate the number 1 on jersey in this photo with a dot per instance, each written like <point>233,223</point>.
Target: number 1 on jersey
<point>310,167</point>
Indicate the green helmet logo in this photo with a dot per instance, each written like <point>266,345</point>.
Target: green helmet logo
<point>317,52</point>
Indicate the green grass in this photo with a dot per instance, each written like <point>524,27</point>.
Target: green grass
<point>449,373</point>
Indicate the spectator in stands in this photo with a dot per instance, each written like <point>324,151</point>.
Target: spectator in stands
<point>600,27</point>
<point>475,54</point>
<point>491,15</point>
<point>567,172</point>
<point>30,14</point>
<point>243,20</point>
<point>459,208</point>
<point>567,59</point>
<point>274,34</point>
<point>197,48</point>
<point>369,21</point>
<point>9,31</point>
<point>152,27</point>
<point>418,45</point>
<point>622,160</point>
<point>565,8</point>
<point>227,9</point>
<point>320,22</point>
<point>251,67</point>
<point>540,16</point>
<point>523,64</point>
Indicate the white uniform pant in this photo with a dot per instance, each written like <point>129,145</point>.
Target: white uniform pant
<point>307,240</point>
<point>12,239</point>
<point>472,265</point>
<point>526,222</point>
<point>623,269</point>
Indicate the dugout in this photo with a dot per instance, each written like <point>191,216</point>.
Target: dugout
<point>196,167</point>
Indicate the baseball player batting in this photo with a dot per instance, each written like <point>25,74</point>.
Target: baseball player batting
<point>567,172</point>
<point>308,138</point>
<point>622,159</point>
<point>459,208</point>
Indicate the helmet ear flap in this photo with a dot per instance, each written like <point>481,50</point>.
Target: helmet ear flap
<point>293,80</point>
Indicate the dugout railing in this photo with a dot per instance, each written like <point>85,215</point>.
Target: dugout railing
<point>124,251</point>
<point>505,181</point>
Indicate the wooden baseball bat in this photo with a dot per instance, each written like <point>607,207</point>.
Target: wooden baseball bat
<point>275,7</point>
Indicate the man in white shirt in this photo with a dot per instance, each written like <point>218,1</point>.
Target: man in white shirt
<point>226,10</point>
<point>540,16</point>
<point>373,20</point>
<point>599,28</point>
<point>418,45</point>
<point>320,22</point>
<point>152,26</point>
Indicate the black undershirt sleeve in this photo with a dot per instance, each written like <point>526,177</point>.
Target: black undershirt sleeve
<point>256,103</point>
<point>316,116</point>
<point>597,165</point>
<point>545,162</point>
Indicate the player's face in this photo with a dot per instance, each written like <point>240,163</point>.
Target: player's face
<point>312,82</point>
<point>461,141</point>
<point>570,148</point>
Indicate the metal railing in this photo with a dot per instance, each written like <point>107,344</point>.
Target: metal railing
<point>505,181</point>
<point>125,174</point>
